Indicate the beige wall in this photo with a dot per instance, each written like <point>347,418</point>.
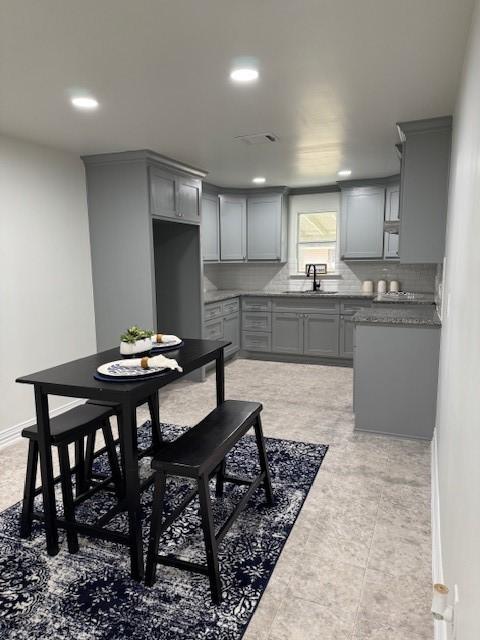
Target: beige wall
<point>458,419</point>
<point>46,299</point>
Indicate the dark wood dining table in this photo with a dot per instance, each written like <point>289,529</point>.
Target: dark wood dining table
<point>76,379</point>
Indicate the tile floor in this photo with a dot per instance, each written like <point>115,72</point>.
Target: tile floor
<point>357,564</point>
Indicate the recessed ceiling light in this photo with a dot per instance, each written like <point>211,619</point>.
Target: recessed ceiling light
<point>85,103</point>
<point>345,172</point>
<point>244,74</point>
<point>259,180</point>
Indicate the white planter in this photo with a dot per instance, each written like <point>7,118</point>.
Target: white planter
<point>134,348</point>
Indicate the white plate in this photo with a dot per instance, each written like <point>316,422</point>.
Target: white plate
<point>117,369</point>
<point>163,345</point>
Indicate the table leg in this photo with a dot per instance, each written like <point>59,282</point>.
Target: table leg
<point>154,407</point>
<point>220,377</point>
<point>129,449</point>
<point>46,470</point>
<point>220,382</point>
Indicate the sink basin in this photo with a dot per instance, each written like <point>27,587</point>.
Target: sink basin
<point>311,292</point>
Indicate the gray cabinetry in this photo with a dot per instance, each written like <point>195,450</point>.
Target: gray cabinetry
<point>424,189</point>
<point>222,322</point>
<point>392,210</point>
<point>210,228</point>
<point>320,335</point>
<point>264,227</point>
<point>287,332</point>
<point>362,218</point>
<point>174,196</point>
<point>231,332</point>
<point>346,337</point>
<point>233,230</point>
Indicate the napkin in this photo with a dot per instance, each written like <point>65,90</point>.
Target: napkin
<point>160,338</point>
<point>155,361</point>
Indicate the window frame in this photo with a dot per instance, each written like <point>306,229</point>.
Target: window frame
<point>316,243</point>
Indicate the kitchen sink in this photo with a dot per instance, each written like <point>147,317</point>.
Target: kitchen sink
<point>311,292</point>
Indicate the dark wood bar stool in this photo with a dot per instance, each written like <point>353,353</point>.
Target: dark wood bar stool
<point>199,454</point>
<point>70,427</point>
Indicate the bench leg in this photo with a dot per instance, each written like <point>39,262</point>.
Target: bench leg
<point>67,493</point>
<point>155,527</point>
<point>89,457</point>
<point>80,483</point>
<point>262,454</point>
<point>29,490</point>
<point>220,481</point>
<point>209,538</point>
<point>112,458</point>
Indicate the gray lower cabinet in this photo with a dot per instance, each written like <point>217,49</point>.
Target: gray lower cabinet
<point>231,332</point>
<point>320,335</point>
<point>257,341</point>
<point>210,228</point>
<point>287,332</point>
<point>213,329</point>
<point>362,217</point>
<point>346,334</point>
<point>233,228</point>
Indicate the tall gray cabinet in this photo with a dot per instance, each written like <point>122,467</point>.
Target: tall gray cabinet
<point>134,279</point>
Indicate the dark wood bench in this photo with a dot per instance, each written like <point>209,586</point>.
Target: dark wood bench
<point>199,454</point>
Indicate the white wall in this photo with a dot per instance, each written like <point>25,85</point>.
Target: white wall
<point>458,418</point>
<point>46,298</point>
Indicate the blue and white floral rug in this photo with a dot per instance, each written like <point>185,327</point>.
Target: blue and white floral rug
<point>90,596</point>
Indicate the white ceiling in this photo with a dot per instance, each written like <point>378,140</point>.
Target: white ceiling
<point>336,75</point>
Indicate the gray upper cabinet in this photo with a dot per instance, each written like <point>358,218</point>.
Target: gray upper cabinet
<point>392,211</point>
<point>362,218</point>
<point>320,335</point>
<point>233,212</point>
<point>264,227</point>
<point>174,196</point>
<point>210,228</point>
<point>163,193</point>
<point>424,189</point>
<point>287,333</point>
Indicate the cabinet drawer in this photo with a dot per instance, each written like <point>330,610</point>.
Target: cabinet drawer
<point>256,321</point>
<point>230,306</point>
<point>213,330</point>
<point>213,310</point>
<point>256,304</point>
<point>305,305</point>
<point>349,307</point>
<point>256,341</point>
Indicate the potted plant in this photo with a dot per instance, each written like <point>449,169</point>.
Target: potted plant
<point>136,342</point>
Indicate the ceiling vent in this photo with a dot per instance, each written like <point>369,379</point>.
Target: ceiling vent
<point>257,138</point>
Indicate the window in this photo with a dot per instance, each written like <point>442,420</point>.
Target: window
<point>316,239</point>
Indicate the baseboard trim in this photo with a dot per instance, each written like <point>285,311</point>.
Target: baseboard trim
<point>439,626</point>
<point>12,434</point>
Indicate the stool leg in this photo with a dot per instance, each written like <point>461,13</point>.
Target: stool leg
<point>209,538</point>
<point>67,493</point>
<point>112,458</point>
<point>220,481</point>
<point>90,451</point>
<point>29,490</point>
<point>262,454</point>
<point>154,408</point>
<point>155,526</point>
<point>80,484</point>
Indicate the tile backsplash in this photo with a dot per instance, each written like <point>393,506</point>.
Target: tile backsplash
<point>418,278</point>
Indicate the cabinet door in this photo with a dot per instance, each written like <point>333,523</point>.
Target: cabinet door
<point>210,228</point>
<point>287,333</point>
<point>321,335</point>
<point>231,332</point>
<point>362,222</point>
<point>391,246</point>
<point>189,191</point>
<point>213,329</point>
<point>264,223</point>
<point>392,202</point>
<point>163,193</point>
<point>233,223</point>
<point>346,337</point>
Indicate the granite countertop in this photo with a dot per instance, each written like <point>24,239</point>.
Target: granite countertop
<point>427,316</point>
<point>410,298</point>
<point>216,295</point>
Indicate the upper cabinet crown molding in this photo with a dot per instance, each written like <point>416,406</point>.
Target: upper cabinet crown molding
<point>145,155</point>
<point>422,126</point>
